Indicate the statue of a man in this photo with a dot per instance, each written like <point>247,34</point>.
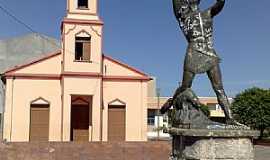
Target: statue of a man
<point>201,57</point>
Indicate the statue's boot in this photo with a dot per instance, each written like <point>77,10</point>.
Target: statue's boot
<point>233,124</point>
<point>224,104</point>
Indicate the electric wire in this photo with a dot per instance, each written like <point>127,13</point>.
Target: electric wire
<point>28,27</point>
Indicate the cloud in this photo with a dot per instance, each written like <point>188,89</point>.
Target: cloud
<point>250,82</point>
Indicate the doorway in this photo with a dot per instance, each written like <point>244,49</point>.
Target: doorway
<point>81,118</point>
<point>39,122</point>
<point>117,123</point>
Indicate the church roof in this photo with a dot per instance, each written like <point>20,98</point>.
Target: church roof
<point>35,48</point>
<point>22,49</point>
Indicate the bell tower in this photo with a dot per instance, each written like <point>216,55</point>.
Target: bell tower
<point>82,63</point>
<point>82,9</point>
<point>82,37</point>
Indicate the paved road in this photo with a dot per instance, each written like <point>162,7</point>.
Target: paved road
<point>262,153</point>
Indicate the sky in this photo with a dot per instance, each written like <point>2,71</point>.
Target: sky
<point>145,35</point>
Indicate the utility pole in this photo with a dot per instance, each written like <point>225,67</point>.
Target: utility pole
<point>158,113</point>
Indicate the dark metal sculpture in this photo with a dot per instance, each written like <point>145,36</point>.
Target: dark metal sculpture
<point>187,113</point>
<point>201,57</point>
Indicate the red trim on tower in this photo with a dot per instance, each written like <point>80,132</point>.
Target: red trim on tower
<point>79,21</point>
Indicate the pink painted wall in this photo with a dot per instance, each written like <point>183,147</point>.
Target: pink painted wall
<point>57,77</point>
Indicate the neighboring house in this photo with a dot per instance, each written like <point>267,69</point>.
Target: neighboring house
<point>155,120</point>
<point>76,93</point>
<point>2,98</point>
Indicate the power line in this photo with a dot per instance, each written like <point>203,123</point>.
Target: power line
<point>8,12</point>
<point>16,19</point>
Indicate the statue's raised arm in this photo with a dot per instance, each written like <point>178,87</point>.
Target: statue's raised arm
<point>177,7</point>
<point>217,8</point>
<point>180,7</point>
<point>201,57</point>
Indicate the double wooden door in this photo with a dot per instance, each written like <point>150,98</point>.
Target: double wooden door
<point>80,123</point>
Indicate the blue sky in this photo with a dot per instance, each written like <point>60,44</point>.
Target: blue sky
<point>145,34</point>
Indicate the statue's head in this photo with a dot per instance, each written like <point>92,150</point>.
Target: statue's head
<point>194,4</point>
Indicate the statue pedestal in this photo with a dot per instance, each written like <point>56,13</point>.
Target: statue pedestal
<point>204,144</point>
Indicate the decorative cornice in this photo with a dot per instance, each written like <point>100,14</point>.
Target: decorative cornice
<point>81,74</point>
<point>71,29</point>
<point>74,74</point>
<point>81,13</point>
<point>126,78</point>
<point>85,22</point>
<point>11,72</point>
<point>33,76</point>
<point>83,31</point>
<point>117,100</point>
<point>96,31</point>
<point>40,99</point>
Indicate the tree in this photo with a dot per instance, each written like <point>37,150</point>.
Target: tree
<point>252,108</point>
<point>205,109</point>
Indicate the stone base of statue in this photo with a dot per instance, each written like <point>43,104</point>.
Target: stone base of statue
<point>205,144</point>
<point>196,137</point>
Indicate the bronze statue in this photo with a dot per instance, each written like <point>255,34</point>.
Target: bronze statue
<point>201,57</point>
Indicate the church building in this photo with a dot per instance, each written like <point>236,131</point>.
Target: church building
<point>76,93</point>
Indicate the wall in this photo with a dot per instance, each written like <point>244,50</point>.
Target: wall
<point>19,95</point>
<point>152,87</point>
<point>69,33</point>
<point>51,66</point>
<point>116,68</point>
<point>86,151</point>
<point>81,86</point>
<point>1,126</point>
<point>2,100</point>
<point>2,96</point>
<point>134,94</point>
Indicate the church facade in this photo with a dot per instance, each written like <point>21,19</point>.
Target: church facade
<point>76,93</point>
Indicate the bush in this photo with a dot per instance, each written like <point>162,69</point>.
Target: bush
<point>252,108</point>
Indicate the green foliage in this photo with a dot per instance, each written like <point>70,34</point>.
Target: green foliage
<point>252,108</point>
<point>205,110</point>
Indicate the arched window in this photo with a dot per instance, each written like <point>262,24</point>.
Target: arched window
<point>83,47</point>
<point>82,4</point>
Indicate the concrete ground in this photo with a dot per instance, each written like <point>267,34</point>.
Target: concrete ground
<point>262,153</point>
